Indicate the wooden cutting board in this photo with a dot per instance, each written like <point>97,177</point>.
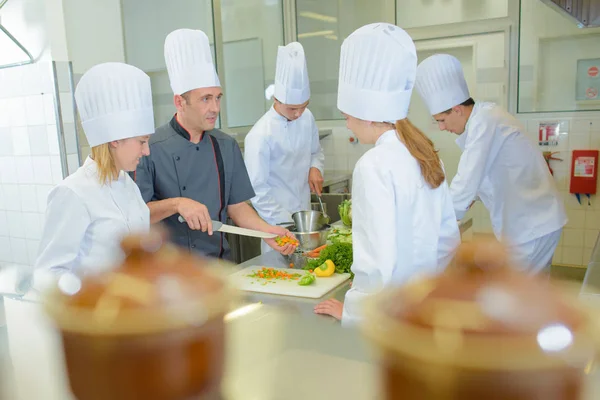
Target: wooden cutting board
<point>316,290</point>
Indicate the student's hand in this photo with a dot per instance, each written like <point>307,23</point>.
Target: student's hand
<point>315,181</point>
<point>331,307</point>
<point>196,215</point>
<point>286,249</point>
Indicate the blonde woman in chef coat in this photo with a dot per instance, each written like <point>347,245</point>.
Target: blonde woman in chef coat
<point>90,211</point>
<point>403,222</point>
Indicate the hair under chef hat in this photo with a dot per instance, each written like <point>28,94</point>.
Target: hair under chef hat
<point>291,75</point>
<point>189,61</point>
<point>378,66</point>
<point>114,102</point>
<point>441,83</point>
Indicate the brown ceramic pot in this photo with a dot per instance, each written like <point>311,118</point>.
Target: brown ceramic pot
<point>481,330</point>
<point>149,329</point>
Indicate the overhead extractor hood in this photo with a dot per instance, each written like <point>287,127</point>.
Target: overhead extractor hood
<point>7,39</point>
<point>585,13</point>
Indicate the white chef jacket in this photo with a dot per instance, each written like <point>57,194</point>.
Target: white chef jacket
<point>279,154</point>
<point>401,227</point>
<point>85,221</point>
<point>502,166</point>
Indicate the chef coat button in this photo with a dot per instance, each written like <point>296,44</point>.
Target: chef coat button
<point>177,158</point>
<point>183,188</point>
<point>197,148</point>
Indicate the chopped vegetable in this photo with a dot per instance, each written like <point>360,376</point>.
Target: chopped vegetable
<point>339,253</point>
<point>283,240</point>
<point>274,273</point>
<point>291,265</point>
<point>315,253</point>
<point>326,269</point>
<point>306,279</point>
<point>340,235</point>
<point>345,210</point>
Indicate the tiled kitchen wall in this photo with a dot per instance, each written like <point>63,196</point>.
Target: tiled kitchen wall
<point>30,161</point>
<point>581,132</point>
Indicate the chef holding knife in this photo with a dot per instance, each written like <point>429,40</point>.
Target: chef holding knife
<point>403,223</point>
<point>499,164</point>
<point>282,151</point>
<point>194,170</point>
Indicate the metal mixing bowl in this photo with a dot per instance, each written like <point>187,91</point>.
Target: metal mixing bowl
<point>311,240</point>
<point>309,221</point>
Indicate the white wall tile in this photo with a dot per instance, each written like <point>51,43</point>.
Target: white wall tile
<point>28,198</point>
<point>31,80</point>
<point>53,148</point>
<point>24,169</point>
<point>56,169</point>
<point>576,219</point>
<point>46,77</point>
<point>592,220</point>
<point>590,237</point>
<point>572,255</point>
<point>586,256</point>
<point>38,140</point>
<point>16,226</point>
<point>8,170</point>
<point>5,114</point>
<point>571,202</point>
<point>34,224</point>
<point>6,144</point>
<point>16,109</point>
<point>580,125</point>
<point>5,250</point>
<point>32,250</point>
<point>579,141</point>
<point>42,170</point>
<point>19,251</point>
<point>557,258</point>
<point>42,192</point>
<point>12,197</point>
<point>3,223</point>
<point>34,109</point>
<point>20,140</point>
<point>49,111</point>
<point>573,237</point>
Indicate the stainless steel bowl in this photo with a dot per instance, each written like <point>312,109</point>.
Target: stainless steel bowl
<point>309,221</point>
<point>311,240</point>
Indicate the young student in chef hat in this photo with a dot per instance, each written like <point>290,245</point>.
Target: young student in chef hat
<point>403,223</point>
<point>195,170</point>
<point>90,211</point>
<point>499,164</point>
<point>282,151</point>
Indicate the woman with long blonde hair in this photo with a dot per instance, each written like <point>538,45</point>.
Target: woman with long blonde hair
<point>403,222</point>
<point>90,211</point>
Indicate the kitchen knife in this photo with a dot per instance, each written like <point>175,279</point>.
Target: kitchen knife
<point>221,227</point>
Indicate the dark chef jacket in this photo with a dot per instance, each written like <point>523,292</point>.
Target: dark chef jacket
<point>211,172</point>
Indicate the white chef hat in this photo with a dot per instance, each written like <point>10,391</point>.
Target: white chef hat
<point>378,65</point>
<point>189,61</point>
<point>114,102</point>
<point>291,75</point>
<point>441,83</point>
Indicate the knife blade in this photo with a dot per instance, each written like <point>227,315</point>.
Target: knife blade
<point>221,227</point>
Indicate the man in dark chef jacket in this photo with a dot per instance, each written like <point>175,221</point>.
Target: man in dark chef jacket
<point>195,170</point>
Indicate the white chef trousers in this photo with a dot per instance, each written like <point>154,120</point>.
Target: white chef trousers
<point>536,255</point>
